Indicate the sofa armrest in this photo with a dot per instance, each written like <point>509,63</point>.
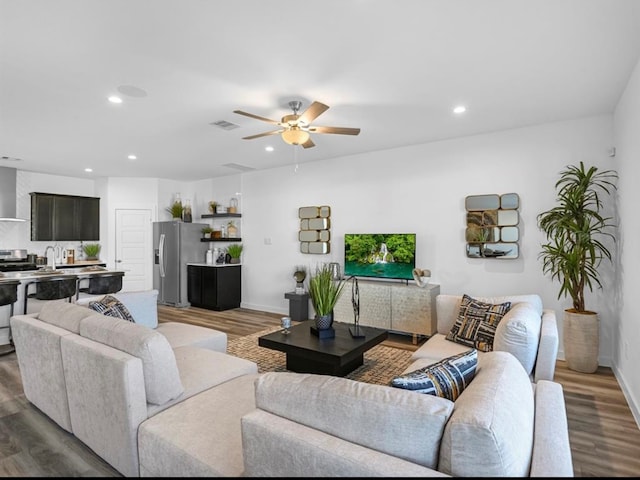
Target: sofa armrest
<point>547,348</point>
<point>551,455</point>
<point>278,447</point>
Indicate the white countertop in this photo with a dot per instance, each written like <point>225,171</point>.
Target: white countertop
<point>215,264</point>
<point>30,274</point>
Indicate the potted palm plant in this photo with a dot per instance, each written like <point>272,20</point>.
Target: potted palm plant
<point>575,230</point>
<point>324,292</point>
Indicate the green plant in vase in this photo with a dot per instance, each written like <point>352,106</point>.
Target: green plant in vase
<point>575,229</point>
<point>91,250</point>
<point>176,210</point>
<point>235,250</point>
<point>206,232</point>
<point>324,292</point>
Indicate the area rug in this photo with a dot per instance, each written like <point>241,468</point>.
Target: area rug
<point>381,363</point>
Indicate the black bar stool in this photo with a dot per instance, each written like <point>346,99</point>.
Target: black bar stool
<point>52,288</point>
<point>103,283</point>
<point>8,296</point>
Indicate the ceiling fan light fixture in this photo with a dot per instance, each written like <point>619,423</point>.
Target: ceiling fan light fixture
<point>295,136</point>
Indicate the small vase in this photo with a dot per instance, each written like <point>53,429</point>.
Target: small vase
<point>323,322</point>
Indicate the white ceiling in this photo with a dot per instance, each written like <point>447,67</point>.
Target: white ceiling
<point>394,68</point>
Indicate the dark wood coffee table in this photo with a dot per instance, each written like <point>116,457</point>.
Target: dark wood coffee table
<point>338,356</point>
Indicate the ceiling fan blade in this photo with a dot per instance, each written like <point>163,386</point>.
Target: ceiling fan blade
<point>273,132</point>
<point>257,117</point>
<point>308,144</point>
<point>339,130</point>
<point>314,111</point>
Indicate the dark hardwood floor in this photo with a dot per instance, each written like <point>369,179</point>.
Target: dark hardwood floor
<point>605,439</point>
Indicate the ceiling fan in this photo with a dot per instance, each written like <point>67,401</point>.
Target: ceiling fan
<point>296,129</point>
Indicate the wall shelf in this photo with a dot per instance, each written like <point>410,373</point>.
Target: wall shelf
<point>221,215</point>
<point>226,239</point>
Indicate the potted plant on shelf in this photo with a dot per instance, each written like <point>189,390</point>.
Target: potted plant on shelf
<point>235,250</point>
<point>212,206</point>
<point>575,230</point>
<point>206,232</point>
<point>324,292</point>
<point>91,250</point>
<point>176,210</point>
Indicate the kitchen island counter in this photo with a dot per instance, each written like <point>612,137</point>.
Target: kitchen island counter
<point>42,273</point>
<point>83,274</point>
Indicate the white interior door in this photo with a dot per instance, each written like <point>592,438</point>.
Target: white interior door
<point>134,249</point>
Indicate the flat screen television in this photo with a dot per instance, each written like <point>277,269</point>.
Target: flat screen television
<point>380,255</point>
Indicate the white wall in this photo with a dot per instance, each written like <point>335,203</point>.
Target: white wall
<point>422,189</point>
<point>627,328</point>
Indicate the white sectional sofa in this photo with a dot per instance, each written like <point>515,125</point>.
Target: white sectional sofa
<point>101,378</point>
<point>168,401</point>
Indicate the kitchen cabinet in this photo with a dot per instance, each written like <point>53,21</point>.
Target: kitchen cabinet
<point>214,287</point>
<point>64,217</point>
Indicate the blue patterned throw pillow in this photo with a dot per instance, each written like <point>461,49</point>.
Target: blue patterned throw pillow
<point>446,378</point>
<point>477,322</point>
<point>111,307</point>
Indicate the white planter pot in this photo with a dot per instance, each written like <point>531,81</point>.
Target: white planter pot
<point>580,337</point>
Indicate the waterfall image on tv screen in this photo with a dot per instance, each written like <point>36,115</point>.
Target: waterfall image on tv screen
<point>380,255</point>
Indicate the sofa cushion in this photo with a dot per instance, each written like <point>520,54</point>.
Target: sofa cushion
<point>390,420</point>
<point>161,375</point>
<point>491,428</point>
<point>63,314</point>
<point>111,307</point>
<point>519,333</point>
<point>476,323</point>
<point>184,334</point>
<point>446,378</point>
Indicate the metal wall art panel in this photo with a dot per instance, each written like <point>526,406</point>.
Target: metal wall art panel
<point>315,225</point>
<point>492,226</point>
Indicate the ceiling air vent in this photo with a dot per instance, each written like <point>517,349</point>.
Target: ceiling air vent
<point>224,125</point>
<point>237,166</point>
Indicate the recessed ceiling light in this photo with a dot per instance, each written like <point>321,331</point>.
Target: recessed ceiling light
<point>132,157</point>
<point>114,99</point>
<point>460,109</point>
<point>88,170</point>
<point>269,148</point>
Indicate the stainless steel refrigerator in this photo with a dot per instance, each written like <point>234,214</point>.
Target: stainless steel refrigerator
<point>175,244</point>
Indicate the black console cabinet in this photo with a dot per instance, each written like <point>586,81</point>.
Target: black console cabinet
<point>214,288</point>
<point>64,217</point>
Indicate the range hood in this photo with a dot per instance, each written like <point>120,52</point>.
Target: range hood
<point>8,195</point>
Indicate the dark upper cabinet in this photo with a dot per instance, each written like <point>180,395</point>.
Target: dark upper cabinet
<point>64,217</point>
